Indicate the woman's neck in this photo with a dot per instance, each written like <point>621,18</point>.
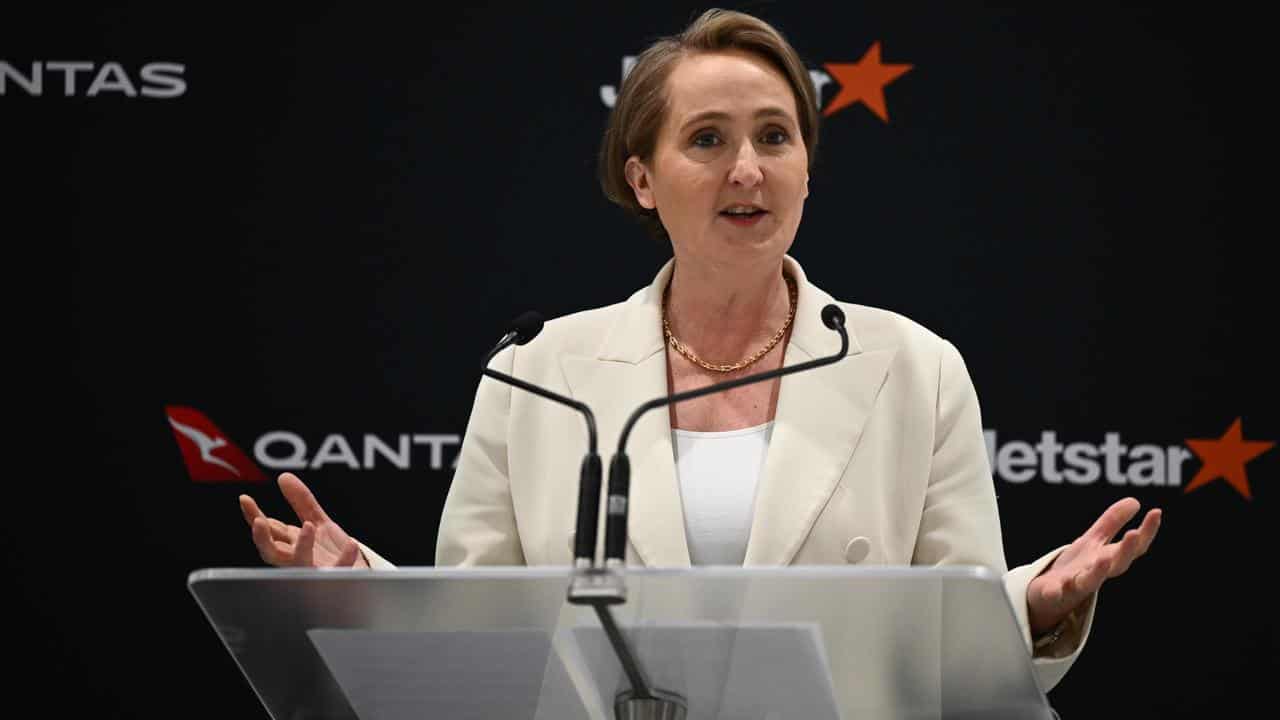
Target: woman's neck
<point>724,314</point>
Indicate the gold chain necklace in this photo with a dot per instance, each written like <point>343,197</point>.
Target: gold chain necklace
<point>730,367</point>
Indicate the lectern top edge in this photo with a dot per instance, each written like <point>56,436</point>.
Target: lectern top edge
<point>504,571</point>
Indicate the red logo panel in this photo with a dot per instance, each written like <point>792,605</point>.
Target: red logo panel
<point>209,455</point>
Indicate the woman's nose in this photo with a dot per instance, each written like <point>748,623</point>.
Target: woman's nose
<point>746,167</point>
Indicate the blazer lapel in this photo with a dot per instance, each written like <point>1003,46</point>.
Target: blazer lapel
<point>630,369</point>
<point>817,426</point>
<point>819,421</point>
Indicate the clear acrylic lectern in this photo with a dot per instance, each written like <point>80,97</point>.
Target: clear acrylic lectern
<point>814,643</point>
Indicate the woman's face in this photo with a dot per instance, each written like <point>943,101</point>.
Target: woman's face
<point>730,143</point>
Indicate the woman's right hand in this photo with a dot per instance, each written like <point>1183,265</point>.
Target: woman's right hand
<point>320,542</point>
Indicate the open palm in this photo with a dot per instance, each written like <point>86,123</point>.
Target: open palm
<point>1083,566</point>
<point>319,542</point>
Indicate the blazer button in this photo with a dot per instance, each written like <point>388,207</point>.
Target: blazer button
<point>857,550</point>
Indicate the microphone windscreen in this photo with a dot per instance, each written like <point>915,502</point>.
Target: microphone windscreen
<point>526,327</point>
<point>833,317</point>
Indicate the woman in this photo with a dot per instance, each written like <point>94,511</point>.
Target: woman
<point>877,459</point>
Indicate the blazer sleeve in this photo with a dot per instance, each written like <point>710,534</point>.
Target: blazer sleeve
<point>960,521</point>
<point>478,523</point>
<point>376,561</point>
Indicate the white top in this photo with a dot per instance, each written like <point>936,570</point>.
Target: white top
<point>719,473</point>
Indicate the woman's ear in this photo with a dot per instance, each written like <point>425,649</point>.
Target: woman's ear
<point>638,178</point>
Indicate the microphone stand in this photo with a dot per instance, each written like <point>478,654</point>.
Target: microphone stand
<point>604,586</point>
<point>517,382</point>
<point>601,587</point>
<point>620,466</point>
<point>591,585</point>
<point>589,474</point>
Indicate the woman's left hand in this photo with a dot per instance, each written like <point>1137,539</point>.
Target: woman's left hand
<point>1082,567</point>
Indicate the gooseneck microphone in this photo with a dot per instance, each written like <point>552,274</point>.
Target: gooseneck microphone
<point>522,330</point>
<point>620,467</point>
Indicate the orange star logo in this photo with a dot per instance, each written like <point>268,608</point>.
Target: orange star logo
<point>1225,458</point>
<point>863,82</point>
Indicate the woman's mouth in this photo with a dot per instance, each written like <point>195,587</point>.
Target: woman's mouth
<point>744,216</point>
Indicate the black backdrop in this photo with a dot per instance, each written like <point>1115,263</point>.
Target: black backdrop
<point>329,225</point>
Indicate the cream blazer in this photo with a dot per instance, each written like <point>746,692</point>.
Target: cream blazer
<point>878,458</point>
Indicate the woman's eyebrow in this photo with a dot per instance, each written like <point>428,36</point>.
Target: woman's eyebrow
<point>771,111</point>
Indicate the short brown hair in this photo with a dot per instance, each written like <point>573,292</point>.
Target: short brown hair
<point>641,105</point>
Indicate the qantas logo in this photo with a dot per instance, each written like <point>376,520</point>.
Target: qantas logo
<point>72,78</point>
<point>857,82</point>
<point>209,456</point>
<point>212,457</point>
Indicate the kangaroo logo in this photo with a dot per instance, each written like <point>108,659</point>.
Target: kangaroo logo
<point>199,439</point>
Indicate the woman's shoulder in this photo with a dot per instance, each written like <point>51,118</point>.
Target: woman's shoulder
<point>583,322</point>
<point>882,329</point>
<point>875,328</point>
<point>579,333</point>
<point>879,327</point>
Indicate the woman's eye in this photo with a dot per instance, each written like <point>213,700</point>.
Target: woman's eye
<point>706,140</point>
<point>775,137</point>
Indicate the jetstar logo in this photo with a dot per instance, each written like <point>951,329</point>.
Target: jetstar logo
<point>863,82</point>
<point>1224,459</point>
<point>1117,463</point>
<point>210,455</point>
<point>856,82</point>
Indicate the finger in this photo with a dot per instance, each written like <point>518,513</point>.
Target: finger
<point>301,499</point>
<point>283,531</point>
<point>270,552</point>
<point>1127,550</point>
<point>279,530</point>
<point>249,509</point>
<point>1130,544</point>
<point>1114,518</point>
<point>348,556</point>
<point>304,551</point>
<point>1150,526</point>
